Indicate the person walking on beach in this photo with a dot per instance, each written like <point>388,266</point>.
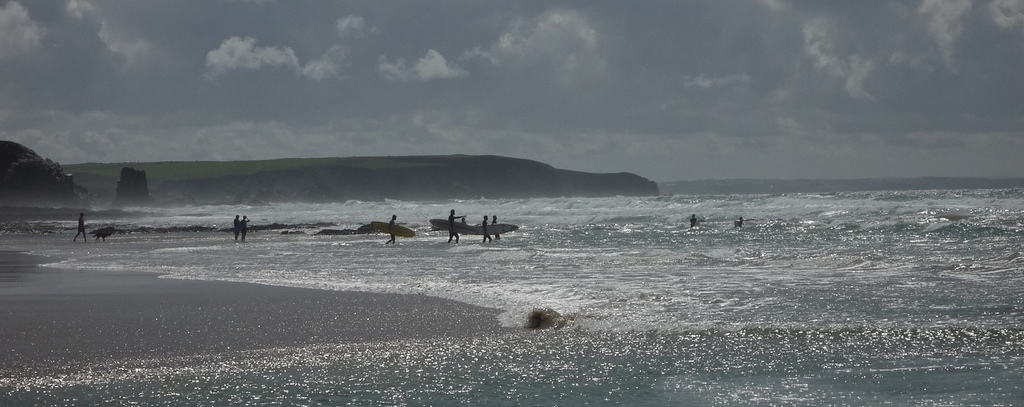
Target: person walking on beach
<point>693,220</point>
<point>494,221</point>
<point>451,226</point>
<point>81,228</point>
<point>391,229</point>
<point>243,226</point>
<point>487,237</point>
<point>238,227</point>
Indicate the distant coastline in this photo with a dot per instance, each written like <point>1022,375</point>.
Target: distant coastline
<point>362,178</point>
<point>780,186</point>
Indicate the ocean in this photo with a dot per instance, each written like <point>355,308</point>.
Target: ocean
<point>859,298</point>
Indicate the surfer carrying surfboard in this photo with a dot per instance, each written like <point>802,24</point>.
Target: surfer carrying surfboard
<point>391,229</point>
<point>451,226</point>
<point>494,221</point>
<point>487,237</point>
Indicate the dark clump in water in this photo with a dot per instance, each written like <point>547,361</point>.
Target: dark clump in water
<point>546,318</point>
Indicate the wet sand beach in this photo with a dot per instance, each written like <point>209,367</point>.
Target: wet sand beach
<point>56,320</point>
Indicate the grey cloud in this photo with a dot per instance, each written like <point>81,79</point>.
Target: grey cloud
<point>327,66</point>
<point>563,40</point>
<point>707,82</point>
<point>853,69</point>
<point>18,33</point>
<point>1007,13</point>
<point>352,26</point>
<point>670,90</point>
<point>431,66</point>
<point>80,8</point>
<point>944,24</point>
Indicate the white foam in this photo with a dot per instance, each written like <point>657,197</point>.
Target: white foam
<point>616,263</point>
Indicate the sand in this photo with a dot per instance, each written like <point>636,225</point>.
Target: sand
<point>56,320</point>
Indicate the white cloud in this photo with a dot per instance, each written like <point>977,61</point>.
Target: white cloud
<point>432,66</point>
<point>353,27</point>
<point>562,39</point>
<point>80,8</point>
<point>1007,13</point>
<point>944,24</point>
<point>853,69</point>
<point>238,53</point>
<point>327,66</point>
<point>132,46</point>
<point>18,33</point>
<point>706,82</point>
<point>242,53</point>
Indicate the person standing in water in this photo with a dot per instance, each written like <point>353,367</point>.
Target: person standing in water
<point>238,227</point>
<point>494,221</point>
<point>693,220</point>
<point>81,228</point>
<point>451,226</point>
<point>243,225</point>
<point>487,237</point>
<point>739,223</point>
<point>391,229</point>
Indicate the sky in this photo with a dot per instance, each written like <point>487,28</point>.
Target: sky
<point>669,90</point>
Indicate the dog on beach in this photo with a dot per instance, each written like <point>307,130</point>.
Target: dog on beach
<point>103,233</point>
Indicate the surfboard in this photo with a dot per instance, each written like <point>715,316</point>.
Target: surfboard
<point>462,228</point>
<point>399,229</point>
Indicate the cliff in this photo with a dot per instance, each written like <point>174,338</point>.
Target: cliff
<point>28,179</point>
<point>132,188</point>
<point>372,178</point>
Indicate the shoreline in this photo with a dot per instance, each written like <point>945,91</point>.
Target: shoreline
<point>63,320</point>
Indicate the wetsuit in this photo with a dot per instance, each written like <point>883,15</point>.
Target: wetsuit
<point>494,221</point>
<point>391,231</point>
<point>451,228</point>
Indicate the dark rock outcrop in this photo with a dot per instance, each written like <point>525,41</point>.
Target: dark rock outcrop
<point>362,230</point>
<point>132,188</point>
<point>27,178</point>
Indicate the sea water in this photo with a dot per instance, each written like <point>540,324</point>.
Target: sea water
<point>860,298</point>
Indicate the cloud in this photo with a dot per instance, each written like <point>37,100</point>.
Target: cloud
<point>80,8</point>
<point>915,61</point>
<point>774,5</point>
<point>432,66</point>
<point>327,66</point>
<point>944,24</point>
<point>352,26</point>
<point>564,40</point>
<point>133,47</point>
<point>18,33</point>
<point>853,69</point>
<point>705,82</point>
<point>237,53</point>
<point>1007,13</point>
